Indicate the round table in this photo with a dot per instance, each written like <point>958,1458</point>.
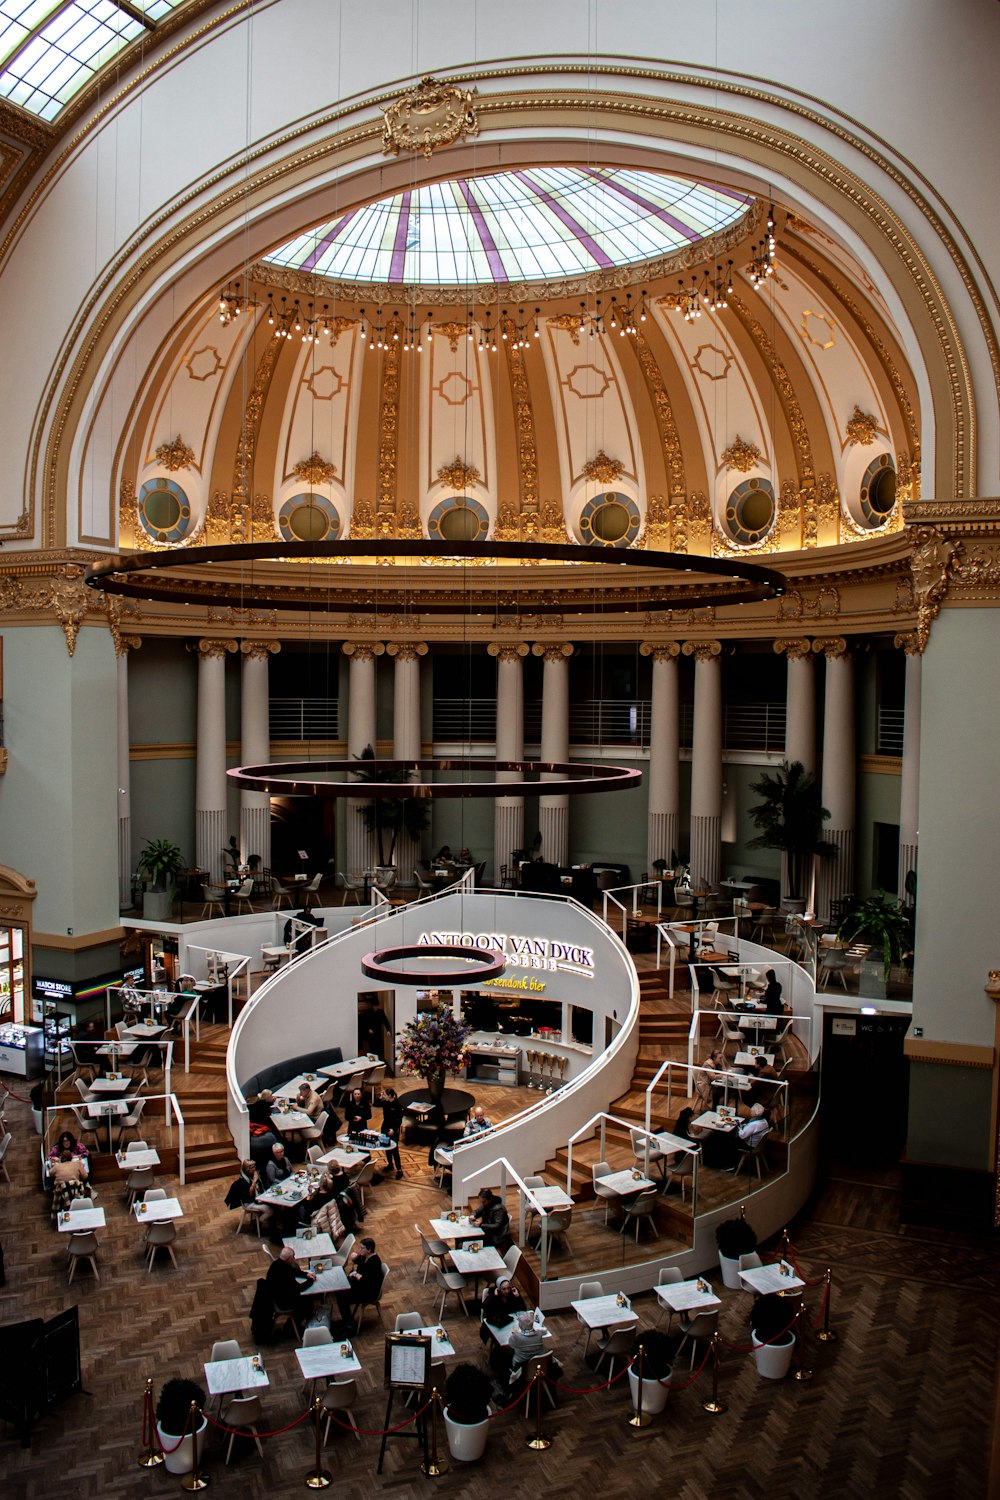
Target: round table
<point>455,1102</point>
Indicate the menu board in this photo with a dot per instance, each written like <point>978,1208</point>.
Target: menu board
<point>407,1361</point>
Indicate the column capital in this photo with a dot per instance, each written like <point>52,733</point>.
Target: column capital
<point>363,650</point>
<point>702,650</point>
<point>212,648</point>
<point>553,650</point>
<point>125,643</point>
<point>908,641</point>
<point>660,650</point>
<point>407,650</point>
<point>833,647</point>
<point>507,650</point>
<point>796,648</point>
<point>259,650</point>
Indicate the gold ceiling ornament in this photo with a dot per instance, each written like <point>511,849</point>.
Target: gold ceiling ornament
<point>833,647</point>
<point>657,523</point>
<point>315,470</point>
<point>175,455</point>
<point>862,428</point>
<point>259,650</point>
<point>907,641</point>
<point>241,501</point>
<point>516,521</point>
<point>741,455</point>
<point>568,323</point>
<point>603,469</point>
<point>796,648</point>
<point>452,331</point>
<point>507,650</point>
<point>215,648</point>
<point>431,115</point>
<point>459,475</point>
<point>363,650</point>
<point>930,564</point>
<point>553,650</point>
<point>407,650</point>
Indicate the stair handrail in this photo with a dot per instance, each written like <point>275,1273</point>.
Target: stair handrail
<point>624,911</point>
<point>507,1168</point>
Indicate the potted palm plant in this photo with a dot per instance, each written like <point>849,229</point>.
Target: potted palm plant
<point>388,817</point>
<point>173,1418</point>
<point>467,1414</point>
<point>888,926</point>
<point>734,1237</point>
<point>658,1350</point>
<point>790,817</point>
<point>162,862</point>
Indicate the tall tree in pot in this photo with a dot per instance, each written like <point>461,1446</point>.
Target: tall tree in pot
<point>790,817</point>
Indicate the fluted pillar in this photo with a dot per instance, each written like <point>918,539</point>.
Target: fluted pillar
<point>800,702</point>
<point>123,645</point>
<point>361,731</point>
<point>706,763</point>
<point>210,814</point>
<point>664,780</point>
<point>836,872</point>
<point>406,736</point>
<point>553,812</point>
<point>255,748</point>
<point>909,809</point>
<point>508,827</point>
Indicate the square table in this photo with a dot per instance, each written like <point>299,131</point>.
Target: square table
<point>325,1361</point>
<point>445,1229</point>
<point>290,1089</point>
<point>776,1278</point>
<point>440,1348</point>
<point>159,1211</point>
<point>128,1160</point>
<point>550,1198</point>
<point>712,1120</point>
<point>477,1262</point>
<point>604,1312</point>
<point>114,1050</point>
<point>684,1296</point>
<point>80,1220</point>
<point>747,1059</point>
<point>668,1142</point>
<point>346,1159</point>
<point>223,1376</point>
<point>755,1022</point>
<point>291,1119</point>
<point>320,1247</point>
<point>349,1067</point>
<point>111,1086</point>
<point>286,1194</point>
<point>330,1279</point>
<point>111,1108</point>
<point>624,1184</point>
<point>502,1335</point>
<point>145,1031</point>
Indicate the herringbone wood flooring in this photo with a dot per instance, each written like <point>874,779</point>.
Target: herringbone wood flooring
<point>900,1406</point>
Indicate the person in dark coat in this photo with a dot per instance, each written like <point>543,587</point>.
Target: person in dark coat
<point>364,1273</point>
<point>493,1219</point>
<point>392,1125</point>
<point>358,1112</point>
<point>286,1281</point>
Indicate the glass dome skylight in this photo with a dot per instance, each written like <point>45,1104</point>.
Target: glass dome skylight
<point>533,224</point>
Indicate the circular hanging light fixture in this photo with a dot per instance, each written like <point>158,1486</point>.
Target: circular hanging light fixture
<point>307,778</point>
<point>482,964</point>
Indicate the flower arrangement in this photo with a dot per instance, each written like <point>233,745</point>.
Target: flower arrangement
<point>432,1044</point>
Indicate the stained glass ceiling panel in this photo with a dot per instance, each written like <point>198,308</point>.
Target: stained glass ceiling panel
<point>536,224</point>
<point>50,49</point>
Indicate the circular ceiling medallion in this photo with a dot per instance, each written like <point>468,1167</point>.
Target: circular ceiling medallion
<point>331,778</point>
<point>479,964</point>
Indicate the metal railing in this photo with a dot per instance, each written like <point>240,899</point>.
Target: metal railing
<point>889,731</point>
<point>303,718</point>
<point>461,720</point>
<point>610,721</point>
<point>602,1120</point>
<point>172,1110</point>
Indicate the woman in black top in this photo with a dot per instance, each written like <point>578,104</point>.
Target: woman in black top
<point>392,1124</point>
<point>772,994</point>
<point>358,1112</point>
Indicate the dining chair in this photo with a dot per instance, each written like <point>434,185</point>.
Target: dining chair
<point>131,1121</point>
<point>598,1170</point>
<point>310,891</point>
<point>408,1321</point>
<point>280,894</point>
<point>537,1374</point>
<point>587,1289</point>
<point>315,1335</point>
<point>82,1247</point>
<point>512,1257</point>
<point>451,1281</point>
<point>225,1349</point>
<point>212,897</point>
<point>161,1237</point>
<point>137,1181</point>
<point>340,1397</point>
<point>346,1246</point>
<point>377,1300</point>
<point>362,1178</point>
<point>4,1148</point>
<point>557,1225</point>
<point>85,1093</point>
<point>641,1208</point>
<point>314,1153</point>
<point>683,1173</point>
<point>640,1144</point>
<point>84,1124</point>
<point>433,1252</point>
<point>243,1415</point>
<point>616,1345</point>
<point>243,894</point>
<point>669,1276</point>
<point>314,1132</point>
<point>701,1327</point>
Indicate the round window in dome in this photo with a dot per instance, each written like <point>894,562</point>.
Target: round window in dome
<point>458,519</point>
<point>309,518</point>
<point>610,520</point>
<point>164,512</point>
<point>878,491</point>
<point>751,512</point>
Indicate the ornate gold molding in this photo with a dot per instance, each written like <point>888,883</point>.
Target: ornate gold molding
<point>314,470</point>
<point>833,647</point>
<point>908,641</point>
<point>459,475</point>
<point>431,115</point>
<point>660,650</point>
<point>363,650</point>
<point>659,514</point>
<point>240,517</point>
<point>796,648</point>
<point>259,650</point>
<point>521,523</point>
<point>862,428</point>
<point>507,650</point>
<point>741,456</point>
<point>552,651</point>
<point>930,563</point>
<point>213,649</point>
<point>702,650</point>
<point>602,469</point>
<point>175,455</point>
<point>407,650</point>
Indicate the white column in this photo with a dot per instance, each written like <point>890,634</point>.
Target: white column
<point>406,735</point>
<point>909,809</point>
<point>255,748</point>
<point>836,872</point>
<point>211,835</point>
<point>553,812</point>
<point>664,780</point>
<point>800,702</point>
<point>706,763</point>
<point>123,645</point>
<point>361,731</point>
<point>508,827</point>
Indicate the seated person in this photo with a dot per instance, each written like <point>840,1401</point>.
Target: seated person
<point>279,1167</point>
<point>286,1281</point>
<point>348,1199</point>
<point>68,1142</point>
<point>357,1112</point>
<point>683,1130</point>
<point>478,1122</point>
<point>69,1181</point>
<point>364,1273</point>
<point>765,1076</point>
<point>464,857</point>
<point>261,1108</point>
<point>323,1211</point>
<point>494,1220</point>
<point>757,1125</point>
<point>501,1302</point>
<point>703,1080</point>
<point>243,1190</point>
<point>308,1100</point>
<point>526,1342</point>
<point>443,856</point>
<point>301,941</point>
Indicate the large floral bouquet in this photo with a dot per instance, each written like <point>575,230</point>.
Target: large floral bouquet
<point>432,1043</point>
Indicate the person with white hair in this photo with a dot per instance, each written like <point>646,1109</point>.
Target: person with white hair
<point>756,1125</point>
<point>286,1282</point>
<point>526,1341</point>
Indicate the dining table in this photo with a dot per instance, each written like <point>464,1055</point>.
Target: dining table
<point>287,1193</point>
<point>502,1335</point>
<point>624,1184</point>
<point>315,1247</point>
<point>110,1109</point>
<point>290,1089</point>
<point>224,1376</point>
<point>344,1158</point>
<point>686,1296</point>
<point>711,1119</point>
<point>145,1031</point>
<point>111,1084</point>
<point>291,1119</point>
<point>327,1280</point>
<point>441,1346</point>
<point>753,1056</point>
<point>79,1220</point>
<point>476,1263</point>
<point>158,1211</point>
<point>549,1199</point>
<point>778,1277</point>
<point>333,1361</point>
<point>455,1230</point>
<point>130,1161</point>
<point>605,1312</point>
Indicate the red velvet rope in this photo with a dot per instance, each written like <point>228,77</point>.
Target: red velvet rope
<point>379,1431</point>
<point>18,1097</point>
<point>164,1449</point>
<point>572,1391</point>
<point>505,1409</point>
<point>791,1256</point>
<point>763,1344</point>
<point>221,1426</point>
<point>694,1377</point>
<point>822,1307</point>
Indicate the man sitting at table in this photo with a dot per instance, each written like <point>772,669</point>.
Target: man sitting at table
<point>364,1272</point>
<point>69,1180</point>
<point>478,1122</point>
<point>286,1281</point>
<point>308,1100</point>
<point>494,1220</point>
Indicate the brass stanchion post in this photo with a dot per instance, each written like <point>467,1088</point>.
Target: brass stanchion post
<point>826,1334</point>
<point>801,1373</point>
<point>640,1418</point>
<point>715,1406</point>
<point>150,1457</point>
<point>195,1480</point>
<point>434,1466</point>
<point>539,1441</point>
<point>320,1478</point>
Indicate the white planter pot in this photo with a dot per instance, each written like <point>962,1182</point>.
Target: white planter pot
<point>774,1360</point>
<point>466,1440</point>
<point>181,1461</point>
<point>730,1269</point>
<point>654,1393</point>
<point>156,906</point>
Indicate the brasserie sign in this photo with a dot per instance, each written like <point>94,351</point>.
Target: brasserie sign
<point>521,952</point>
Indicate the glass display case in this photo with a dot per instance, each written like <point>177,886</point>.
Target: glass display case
<point>11,972</point>
<point>22,1050</point>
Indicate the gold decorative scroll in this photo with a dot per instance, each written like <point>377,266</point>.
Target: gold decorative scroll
<point>603,469</point>
<point>702,650</point>
<point>241,501</point>
<point>315,470</point>
<point>660,651</point>
<point>175,455</point>
<point>431,115</point>
<point>741,455</point>
<point>932,558</point>
<point>862,428</point>
<point>567,323</point>
<point>459,475</point>
<point>507,650</point>
<point>452,331</point>
<point>552,650</point>
<point>796,648</point>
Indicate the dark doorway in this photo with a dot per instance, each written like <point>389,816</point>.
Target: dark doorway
<point>865,1084</point>
<point>302,825</point>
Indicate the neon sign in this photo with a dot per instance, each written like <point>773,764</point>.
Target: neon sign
<point>522,952</point>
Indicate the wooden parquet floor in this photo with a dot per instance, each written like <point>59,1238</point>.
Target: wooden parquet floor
<point>901,1405</point>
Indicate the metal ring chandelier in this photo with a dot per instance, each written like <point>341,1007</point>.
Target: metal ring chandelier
<point>137,576</point>
<point>298,778</point>
<point>376,965</point>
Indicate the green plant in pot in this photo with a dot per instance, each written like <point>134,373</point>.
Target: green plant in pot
<point>734,1237</point>
<point>162,862</point>
<point>886,924</point>
<point>388,817</point>
<point>173,1412</point>
<point>658,1351</point>
<point>790,816</point>
<point>467,1412</point>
